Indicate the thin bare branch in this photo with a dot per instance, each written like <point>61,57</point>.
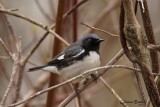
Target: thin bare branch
<point>14,70</point>
<point>113,92</point>
<point>153,47</point>
<point>14,9</point>
<point>19,73</point>
<point>139,83</point>
<point>100,30</point>
<point>6,49</point>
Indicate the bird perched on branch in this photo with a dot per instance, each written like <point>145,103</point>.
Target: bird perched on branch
<point>80,56</point>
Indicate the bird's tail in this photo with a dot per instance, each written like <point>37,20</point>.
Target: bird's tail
<point>36,68</point>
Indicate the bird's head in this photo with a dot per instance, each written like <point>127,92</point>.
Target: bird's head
<point>91,42</point>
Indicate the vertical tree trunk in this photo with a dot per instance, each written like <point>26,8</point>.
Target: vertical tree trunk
<point>57,48</point>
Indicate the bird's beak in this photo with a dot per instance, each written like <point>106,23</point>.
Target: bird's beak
<point>100,40</point>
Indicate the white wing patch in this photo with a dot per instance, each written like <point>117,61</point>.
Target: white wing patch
<point>61,57</point>
<point>79,53</point>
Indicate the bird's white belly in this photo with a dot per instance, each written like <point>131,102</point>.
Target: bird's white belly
<point>89,62</point>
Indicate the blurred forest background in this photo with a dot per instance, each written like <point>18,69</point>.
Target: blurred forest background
<point>17,32</point>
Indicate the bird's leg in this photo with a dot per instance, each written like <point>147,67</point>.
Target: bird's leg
<point>86,81</point>
<point>94,77</point>
<point>75,88</point>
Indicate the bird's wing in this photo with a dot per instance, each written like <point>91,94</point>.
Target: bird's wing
<point>73,52</point>
<point>69,53</point>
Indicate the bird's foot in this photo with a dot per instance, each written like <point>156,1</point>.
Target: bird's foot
<point>77,91</point>
<point>94,77</point>
<point>86,81</point>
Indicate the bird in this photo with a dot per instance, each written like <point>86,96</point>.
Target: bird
<point>80,56</point>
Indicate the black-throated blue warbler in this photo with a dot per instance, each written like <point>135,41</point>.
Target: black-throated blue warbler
<point>80,56</point>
